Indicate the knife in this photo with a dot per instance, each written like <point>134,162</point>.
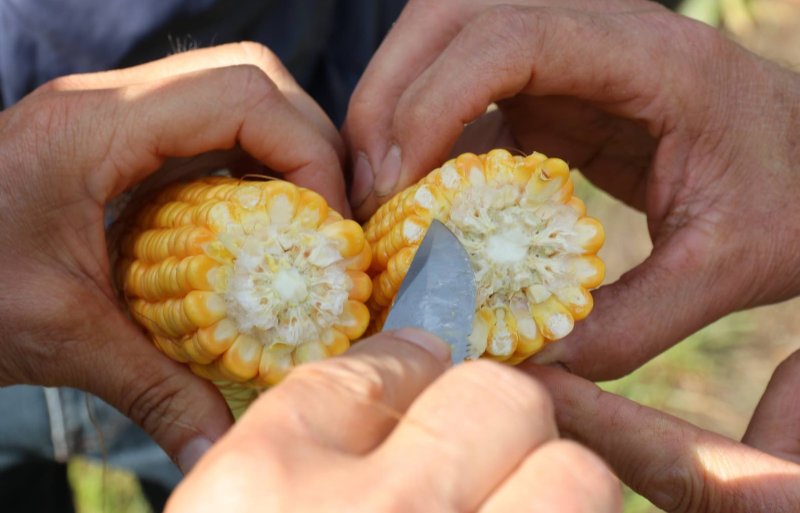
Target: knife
<point>438,292</point>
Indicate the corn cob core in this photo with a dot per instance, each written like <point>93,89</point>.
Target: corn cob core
<point>243,280</point>
<point>532,248</point>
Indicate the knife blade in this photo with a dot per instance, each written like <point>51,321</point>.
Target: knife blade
<point>438,292</point>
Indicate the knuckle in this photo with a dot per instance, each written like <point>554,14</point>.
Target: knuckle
<point>699,35</point>
<point>411,112</point>
<point>327,154</point>
<point>55,84</point>
<point>351,376</point>
<point>508,27</point>
<point>155,404</point>
<point>677,487</point>
<point>261,56</point>
<point>48,114</point>
<point>360,111</point>
<point>501,18</point>
<point>252,83</point>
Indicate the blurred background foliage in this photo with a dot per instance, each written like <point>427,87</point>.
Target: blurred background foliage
<point>712,379</point>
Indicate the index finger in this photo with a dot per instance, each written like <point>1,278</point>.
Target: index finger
<point>421,34</point>
<point>676,465</point>
<point>227,55</point>
<point>134,128</point>
<point>538,51</point>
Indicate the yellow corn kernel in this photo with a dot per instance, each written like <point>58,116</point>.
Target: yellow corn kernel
<point>354,320</point>
<point>361,261</point>
<point>309,352</point>
<point>361,288</point>
<point>243,279</point>
<point>275,364</point>
<point>204,308</point>
<point>335,342</point>
<point>215,339</point>
<point>577,300</point>
<point>531,245</point>
<point>503,337</point>
<point>347,234</point>
<point>553,319</point>
<point>240,362</point>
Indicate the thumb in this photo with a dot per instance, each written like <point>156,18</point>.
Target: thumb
<point>183,413</point>
<point>677,290</point>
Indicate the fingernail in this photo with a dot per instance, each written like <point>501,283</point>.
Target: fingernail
<point>389,173</point>
<point>362,181</point>
<point>427,341</point>
<point>192,452</point>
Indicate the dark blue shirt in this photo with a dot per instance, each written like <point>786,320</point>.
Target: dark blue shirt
<point>325,44</point>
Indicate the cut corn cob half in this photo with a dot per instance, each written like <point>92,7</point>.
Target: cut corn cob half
<point>532,248</point>
<point>243,280</point>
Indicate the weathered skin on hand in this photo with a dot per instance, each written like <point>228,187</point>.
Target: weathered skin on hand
<point>387,428</point>
<point>77,142</point>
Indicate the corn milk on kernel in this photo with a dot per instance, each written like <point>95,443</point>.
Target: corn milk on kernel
<point>244,280</point>
<point>531,245</point>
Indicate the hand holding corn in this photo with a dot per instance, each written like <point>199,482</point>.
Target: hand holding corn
<point>386,428</point>
<point>661,111</point>
<point>243,280</point>
<point>665,114</point>
<point>79,141</point>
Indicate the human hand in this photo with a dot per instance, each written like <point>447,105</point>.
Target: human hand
<point>385,428</point>
<point>680,467</point>
<point>663,112</point>
<point>419,41</point>
<point>79,141</point>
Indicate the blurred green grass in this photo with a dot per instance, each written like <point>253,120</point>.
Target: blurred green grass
<point>682,380</point>
<point>698,380</point>
<point>100,489</point>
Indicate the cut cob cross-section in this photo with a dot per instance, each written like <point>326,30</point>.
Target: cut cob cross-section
<point>243,280</point>
<point>532,248</point>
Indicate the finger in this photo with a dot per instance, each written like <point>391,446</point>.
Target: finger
<point>199,112</point>
<point>775,426</point>
<point>499,53</point>
<point>468,432</point>
<point>421,33</point>
<point>559,476</point>
<point>669,296</point>
<point>677,466</point>
<point>233,54</point>
<point>349,404</point>
<point>417,37</point>
<point>510,50</point>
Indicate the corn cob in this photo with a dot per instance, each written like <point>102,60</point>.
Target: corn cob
<point>532,248</point>
<point>242,280</point>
